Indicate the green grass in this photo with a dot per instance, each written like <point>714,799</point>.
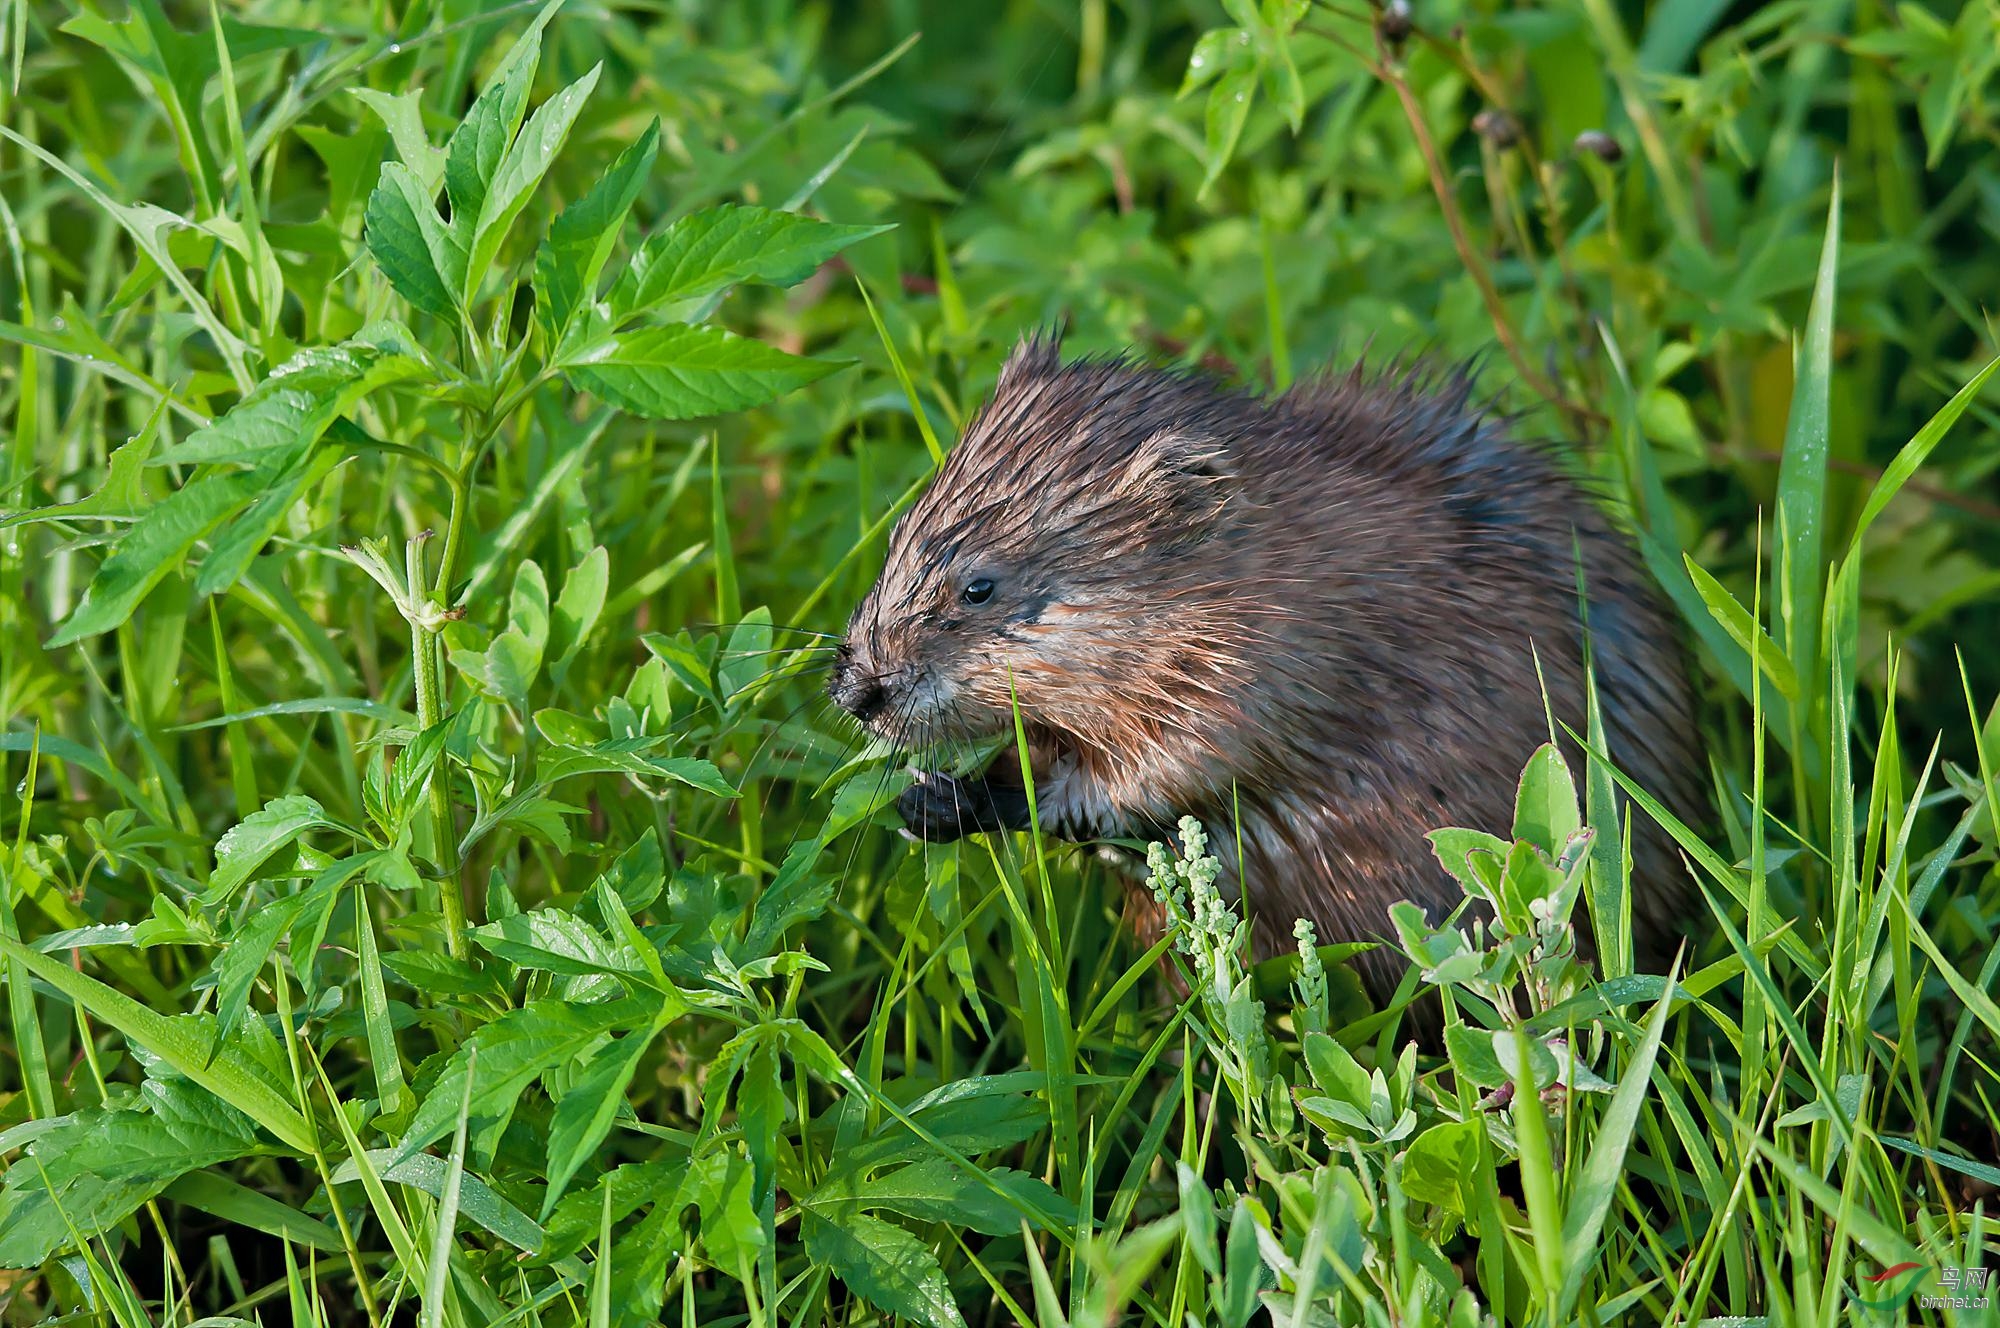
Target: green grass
<point>433,890</point>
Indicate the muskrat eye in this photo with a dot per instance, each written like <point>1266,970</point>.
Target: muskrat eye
<point>978,590</point>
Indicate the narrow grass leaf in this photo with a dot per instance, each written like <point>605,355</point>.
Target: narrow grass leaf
<point>183,1044</point>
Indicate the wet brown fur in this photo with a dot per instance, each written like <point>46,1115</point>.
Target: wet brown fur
<point>1322,612</point>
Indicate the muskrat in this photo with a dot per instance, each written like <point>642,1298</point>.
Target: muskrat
<point>1314,620</point>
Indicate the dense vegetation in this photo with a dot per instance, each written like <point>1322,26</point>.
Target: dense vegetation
<point>438,438</point>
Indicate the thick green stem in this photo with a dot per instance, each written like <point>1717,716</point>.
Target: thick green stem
<point>444,835</point>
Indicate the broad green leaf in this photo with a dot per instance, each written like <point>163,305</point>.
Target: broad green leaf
<point>237,543</point>
<point>402,114</point>
<point>512,1052</point>
<point>295,404</point>
<point>476,1199</point>
<point>183,1042</point>
<point>884,1265</point>
<point>578,606</point>
<point>572,257</point>
<point>631,756</point>
<point>91,1170</point>
<point>152,548</point>
<point>421,258</point>
<point>728,246</point>
<point>526,162</point>
<point>684,372</point>
<point>936,1189</point>
<point>244,848</point>
<point>585,1114</point>
<point>555,941</point>
<point>481,139</point>
<point>1545,807</point>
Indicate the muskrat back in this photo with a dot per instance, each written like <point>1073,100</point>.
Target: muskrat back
<point>1323,622</point>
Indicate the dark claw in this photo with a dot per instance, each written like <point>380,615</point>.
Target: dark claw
<point>939,808</point>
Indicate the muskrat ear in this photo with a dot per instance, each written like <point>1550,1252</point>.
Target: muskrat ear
<point>1174,458</point>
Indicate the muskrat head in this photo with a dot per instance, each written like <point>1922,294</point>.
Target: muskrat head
<point>1042,568</point>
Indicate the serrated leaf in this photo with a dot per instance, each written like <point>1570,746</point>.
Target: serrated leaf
<point>555,941</point>
<point>688,371</point>
<point>152,548</point>
<point>631,756</point>
<point>411,245</point>
<point>92,1170</point>
<point>294,405</point>
<point>244,956</point>
<point>239,540</point>
<point>244,848</point>
<point>580,240</point>
<point>481,139</point>
<point>884,1265</point>
<point>512,1051</point>
<point>514,181</point>
<point>585,1114</point>
<point>936,1189</point>
<point>728,246</point>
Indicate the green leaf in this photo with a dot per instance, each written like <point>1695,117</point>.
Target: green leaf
<point>246,953</point>
<point>476,1199</point>
<point>237,543</point>
<point>937,1189</point>
<point>480,142</point>
<point>884,1265</point>
<point>295,404</point>
<point>419,256</point>
<point>221,1197</point>
<point>578,606</point>
<point>526,162</point>
<point>553,941</point>
<point>93,1169</point>
<point>244,848</point>
<point>726,246</point>
<point>185,1043</point>
<point>1744,630</point>
<point>630,756</point>
<point>1545,807</point>
<point>512,1052</point>
<point>585,1114</point>
<point>1802,471</point>
<point>402,114</point>
<point>152,548</point>
<point>580,240</point>
<point>685,372</point>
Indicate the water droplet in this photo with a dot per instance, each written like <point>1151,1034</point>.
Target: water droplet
<point>1242,38</point>
<point>1239,96</point>
<point>395,48</point>
<point>90,359</point>
<point>60,325</point>
<point>1197,62</point>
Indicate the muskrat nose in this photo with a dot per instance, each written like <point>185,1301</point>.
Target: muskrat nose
<point>859,694</point>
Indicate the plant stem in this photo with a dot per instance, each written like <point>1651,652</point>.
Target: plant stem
<point>444,835</point>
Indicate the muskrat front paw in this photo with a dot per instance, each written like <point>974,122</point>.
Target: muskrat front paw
<point>938,808</point>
